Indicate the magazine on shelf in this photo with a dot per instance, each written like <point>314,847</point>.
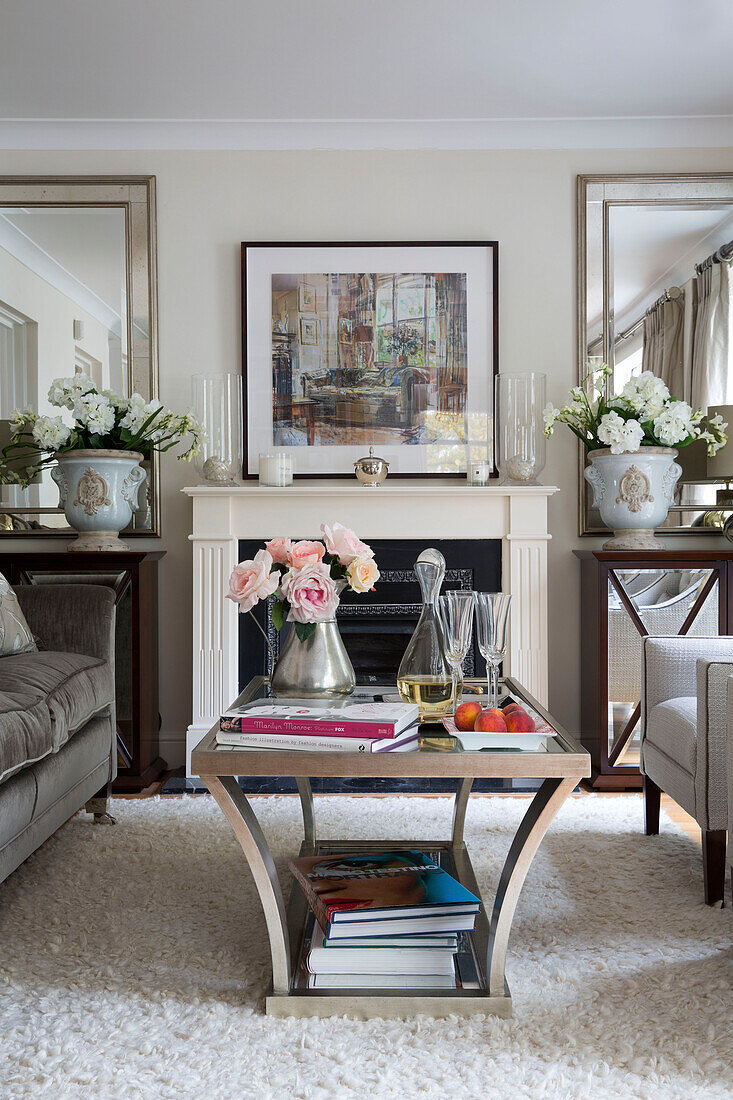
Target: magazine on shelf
<point>349,717</point>
<point>383,887</point>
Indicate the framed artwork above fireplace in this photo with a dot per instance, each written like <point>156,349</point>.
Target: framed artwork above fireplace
<point>347,346</point>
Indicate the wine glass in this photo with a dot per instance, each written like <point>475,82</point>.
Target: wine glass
<point>492,621</point>
<point>455,610</point>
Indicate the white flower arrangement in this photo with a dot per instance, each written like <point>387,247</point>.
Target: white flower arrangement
<point>644,414</point>
<point>101,421</point>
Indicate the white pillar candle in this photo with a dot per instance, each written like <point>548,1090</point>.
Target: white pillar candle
<point>276,469</point>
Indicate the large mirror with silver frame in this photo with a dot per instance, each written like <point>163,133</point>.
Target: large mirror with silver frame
<point>654,289</point>
<point>78,292</point>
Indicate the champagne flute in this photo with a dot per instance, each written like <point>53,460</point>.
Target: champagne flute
<point>492,621</point>
<point>455,610</point>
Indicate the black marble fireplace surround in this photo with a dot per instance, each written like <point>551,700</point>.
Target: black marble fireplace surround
<point>376,628</point>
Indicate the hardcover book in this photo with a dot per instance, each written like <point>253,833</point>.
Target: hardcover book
<point>320,717</point>
<point>406,741</point>
<point>364,887</point>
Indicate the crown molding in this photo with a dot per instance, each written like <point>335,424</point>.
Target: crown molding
<point>672,132</point>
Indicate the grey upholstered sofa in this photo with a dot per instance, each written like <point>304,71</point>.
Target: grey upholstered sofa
<point>57,717</point>
<point>684,740</point>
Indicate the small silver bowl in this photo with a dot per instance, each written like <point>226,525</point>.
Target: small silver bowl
<point>371,470</point>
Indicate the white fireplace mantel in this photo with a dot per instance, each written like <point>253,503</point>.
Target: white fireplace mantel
<point>429,510</point>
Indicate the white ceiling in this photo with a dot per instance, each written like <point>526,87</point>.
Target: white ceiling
<point>472,71</point>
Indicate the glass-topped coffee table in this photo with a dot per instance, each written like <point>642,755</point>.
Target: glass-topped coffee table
<point>480,983</point>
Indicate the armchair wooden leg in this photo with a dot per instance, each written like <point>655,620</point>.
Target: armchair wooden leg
<point>652,797</point>
<point>713,866</point>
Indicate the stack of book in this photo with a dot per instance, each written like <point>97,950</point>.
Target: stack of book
<point>350,725</point>
<point>384,920</point>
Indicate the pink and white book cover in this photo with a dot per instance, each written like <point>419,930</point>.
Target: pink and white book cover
<point>319,718</point>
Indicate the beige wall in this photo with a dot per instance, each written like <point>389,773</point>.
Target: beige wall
<point>209,202</point>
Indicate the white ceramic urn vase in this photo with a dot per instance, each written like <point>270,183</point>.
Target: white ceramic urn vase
<point>98,492</point>
<point>633,493</point>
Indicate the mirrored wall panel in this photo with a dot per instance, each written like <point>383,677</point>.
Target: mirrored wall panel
<point>654,289</point>
<point>77,296</point>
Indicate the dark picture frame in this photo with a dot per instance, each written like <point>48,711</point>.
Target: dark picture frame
<point>417,366</point>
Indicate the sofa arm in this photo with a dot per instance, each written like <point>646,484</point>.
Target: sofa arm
<point>669,666</point>
<point>711,796</point>
<point>71,618</point>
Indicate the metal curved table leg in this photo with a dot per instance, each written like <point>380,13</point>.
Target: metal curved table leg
<point>309,819</point>
<point>460,806</point>
<point>241,817</point>
<point>542,809</point>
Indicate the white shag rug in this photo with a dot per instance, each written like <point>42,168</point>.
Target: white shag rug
<point>133,963</point>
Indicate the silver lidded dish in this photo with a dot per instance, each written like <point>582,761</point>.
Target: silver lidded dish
<point>371,470</point>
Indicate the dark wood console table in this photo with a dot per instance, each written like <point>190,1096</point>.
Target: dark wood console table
<point>626,595</point>
<point>133,576</point>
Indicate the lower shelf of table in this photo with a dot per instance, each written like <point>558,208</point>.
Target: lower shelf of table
<point>471,996</point>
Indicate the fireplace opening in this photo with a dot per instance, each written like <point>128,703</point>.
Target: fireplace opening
<point>376,628</point>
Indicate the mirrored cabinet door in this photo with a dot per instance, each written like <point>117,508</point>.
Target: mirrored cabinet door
<point>642,602</point>
<point>625,599</point>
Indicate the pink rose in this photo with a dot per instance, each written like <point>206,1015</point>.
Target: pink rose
<point>311,594</point>
<point>251,581</point>
<point>342,542</point>
<point>305,553</point>
<point>280,550</point>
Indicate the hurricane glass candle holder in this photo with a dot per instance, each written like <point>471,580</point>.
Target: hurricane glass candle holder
<point>521,443</point>
<point>217,402</point>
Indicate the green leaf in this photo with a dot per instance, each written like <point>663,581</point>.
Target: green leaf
<point>278,615</point>
<point>305,631</point>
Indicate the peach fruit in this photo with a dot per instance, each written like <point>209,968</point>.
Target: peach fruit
<point>510,707</point>
<point>491,721</point>
<point>518,721</point>
<point>466,715</point>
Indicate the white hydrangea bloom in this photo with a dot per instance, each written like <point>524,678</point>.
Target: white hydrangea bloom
<point>115,399</point>
<point>94,411</point>
<point>619,434</point>
<point>50,432</point>
<point>675,423</point>
<point>646,395</point>
<point>58,394</point>
<point>64,392</point>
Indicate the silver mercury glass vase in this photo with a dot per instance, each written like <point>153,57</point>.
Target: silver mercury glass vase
<point>316,668</point>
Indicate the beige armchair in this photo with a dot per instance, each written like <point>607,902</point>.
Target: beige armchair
<point>684,741</point>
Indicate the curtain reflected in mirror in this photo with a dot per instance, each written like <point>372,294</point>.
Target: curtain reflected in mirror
<point>654,293</point>
<point>77,296</point>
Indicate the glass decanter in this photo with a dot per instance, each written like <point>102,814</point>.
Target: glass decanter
<point>424,676</point>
